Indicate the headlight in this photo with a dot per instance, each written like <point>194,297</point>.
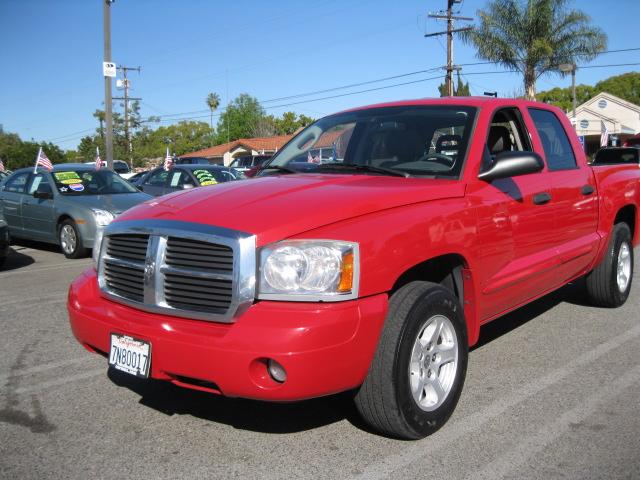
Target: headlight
<point>97,245</point>
<point>102,217</point>
<point>309,270</point>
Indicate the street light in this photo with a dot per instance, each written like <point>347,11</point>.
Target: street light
<point>566,68</point>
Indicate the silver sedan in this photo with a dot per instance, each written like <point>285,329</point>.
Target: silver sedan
<point>66,206</point>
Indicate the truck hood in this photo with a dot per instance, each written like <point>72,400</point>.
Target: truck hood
<point>278,207</point>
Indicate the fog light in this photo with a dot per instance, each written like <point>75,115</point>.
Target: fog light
<point>277,371</point>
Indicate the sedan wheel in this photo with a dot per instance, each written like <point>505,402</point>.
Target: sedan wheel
<point>70,240</point>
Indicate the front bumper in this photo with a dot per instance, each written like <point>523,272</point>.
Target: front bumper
<point>325,348</point>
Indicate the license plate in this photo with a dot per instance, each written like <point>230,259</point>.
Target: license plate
<point>130,355</point>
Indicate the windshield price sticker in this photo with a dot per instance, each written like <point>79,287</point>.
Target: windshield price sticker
<point>67,178</point>
<point>205,177</point>
<point>130,355</point>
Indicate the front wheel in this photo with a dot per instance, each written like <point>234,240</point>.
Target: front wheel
<point>417,374</point>
<point>609,284</point>
<point>70,240</point>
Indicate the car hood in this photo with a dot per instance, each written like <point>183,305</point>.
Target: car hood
<point>277,207</point>
<point>115,204</point>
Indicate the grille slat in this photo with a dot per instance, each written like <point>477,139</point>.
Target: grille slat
<point>132,247</point>
<point>192,275</point>
<point>196,254</point>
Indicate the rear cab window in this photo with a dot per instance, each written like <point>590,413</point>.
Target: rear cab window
<point>555,142</point>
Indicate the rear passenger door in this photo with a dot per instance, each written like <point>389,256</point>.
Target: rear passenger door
<point>573,193</point>
<point>12,196</point>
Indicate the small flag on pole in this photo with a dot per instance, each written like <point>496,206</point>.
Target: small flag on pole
<point>604,134</point>
<point>98,160</point>
<point>43,161</point>
<point>1,166</point>
<point>168,161</point>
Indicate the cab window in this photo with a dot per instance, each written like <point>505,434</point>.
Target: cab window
<point>17,183</point>
<point>555,142</point>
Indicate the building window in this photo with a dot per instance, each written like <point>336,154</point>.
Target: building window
<point>602,103</point>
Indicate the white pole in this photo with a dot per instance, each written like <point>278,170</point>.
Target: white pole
<point>35,167</point>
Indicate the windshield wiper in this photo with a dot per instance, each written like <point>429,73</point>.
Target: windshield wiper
<point>362,168</point>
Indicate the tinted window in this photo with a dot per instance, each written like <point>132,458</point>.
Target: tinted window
<point>91,182</point>
<point>16,183</point>
<point>178,178</point>
<point>39,182</point>
<point>556,145</point>
<point>157,179</point>
<point>616,155</point>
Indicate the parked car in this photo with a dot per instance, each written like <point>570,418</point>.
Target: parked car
<point>191,161</point>
<point>372,274</point>
<point>65,206</point>
<point>119,166</point>
<point>632,142</point>
<point>3,175</point>
<point>617,155</point>
<point>249,164</point>
<point>180,177</point>
<point>4,241</point>
<point>137,178</point>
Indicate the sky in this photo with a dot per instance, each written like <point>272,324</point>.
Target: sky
<point>51,53</point>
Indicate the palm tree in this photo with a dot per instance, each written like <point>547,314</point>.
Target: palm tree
<point>534,37</point>
<point>213,102</point>
<point>100,115</point>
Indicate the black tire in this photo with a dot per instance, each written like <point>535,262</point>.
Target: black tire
<point>68,231</point>
<point>602,281</point>
<point>385,399</point>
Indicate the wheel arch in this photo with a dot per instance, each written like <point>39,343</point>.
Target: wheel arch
<point>628,215</point>
<point>451,270</point>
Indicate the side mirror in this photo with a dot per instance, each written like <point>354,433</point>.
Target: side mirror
<point>188,186</point>
<point>512,164</point>
<point>43,194</point>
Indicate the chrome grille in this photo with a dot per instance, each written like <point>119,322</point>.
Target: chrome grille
<point>178,268</point>
<point>187,253</point>
<point>126,281</point>
<point>131,247</point>
<point>197,293</point>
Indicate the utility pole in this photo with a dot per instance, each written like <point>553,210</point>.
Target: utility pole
<point>126,99</point>
<point>449,17</point>
<point>108,114</point>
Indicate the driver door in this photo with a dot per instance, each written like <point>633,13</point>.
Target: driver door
<point>38,213</point>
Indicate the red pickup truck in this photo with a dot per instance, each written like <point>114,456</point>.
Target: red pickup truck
<point>370,271</point>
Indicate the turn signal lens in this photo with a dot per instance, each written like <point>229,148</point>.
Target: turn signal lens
<point>346,276</point>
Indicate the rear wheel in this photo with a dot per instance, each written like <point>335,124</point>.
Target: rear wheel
<point>609,284</point>
<point>418,371</point>
<point>70,240</point>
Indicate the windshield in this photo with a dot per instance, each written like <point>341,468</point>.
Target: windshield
<point>89,182</point>
<point>413,141</point>
<point>211,176</point>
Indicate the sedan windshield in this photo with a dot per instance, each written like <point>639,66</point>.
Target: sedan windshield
<point>90,182</point>
<point>408,141</point>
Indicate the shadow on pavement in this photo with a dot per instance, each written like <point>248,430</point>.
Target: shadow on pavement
<point>293,417</point>
<point>16,260</point>
<point>573,293</point>
<point>239,413</point>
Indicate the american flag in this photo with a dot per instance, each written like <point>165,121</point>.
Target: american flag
<point>168,161</point>
<point>1,166</point>
<point>98,160</point>
<point>311,159</point>
<point>43,161</point>
<point>604,134</point>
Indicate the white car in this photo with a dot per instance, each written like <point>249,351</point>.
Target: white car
<point>119,166</point>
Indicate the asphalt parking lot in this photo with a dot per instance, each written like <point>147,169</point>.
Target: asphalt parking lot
<point>552,391</point>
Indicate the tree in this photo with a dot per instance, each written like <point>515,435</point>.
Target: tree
<point>213,102</point>
<point>240,119</point>
<point>290,123</point>
<point>461,90</point>
<point>534,37</point>
<point>625,86</point>
<point>16,153</point>
<point>100,115</point>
